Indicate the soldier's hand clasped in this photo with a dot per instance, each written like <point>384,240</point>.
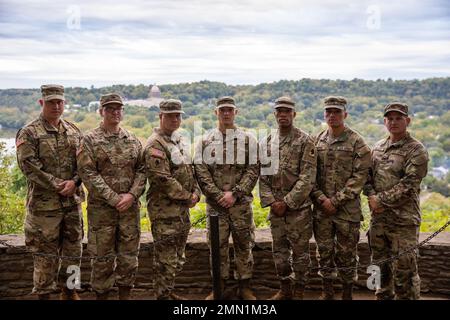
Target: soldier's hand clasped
<point>67,187</point>
<point>194,200</point>
<point>328,207</point>
<point>373,205</point>
<point>279,208</point>
<point>228,200</point>
<point>126,200</point>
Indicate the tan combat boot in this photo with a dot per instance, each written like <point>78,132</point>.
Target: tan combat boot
<point>67,294</point>
<point>327,290</point>
<point>285,292</point>
<point>124,292</point>
<point>222,289</point>
<point>174,296</point>
<point>347,291</point>
<point>244,290</point>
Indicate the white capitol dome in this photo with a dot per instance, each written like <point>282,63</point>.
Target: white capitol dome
<point>154,98</point>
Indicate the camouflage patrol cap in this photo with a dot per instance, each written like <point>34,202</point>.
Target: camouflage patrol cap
<point>171,106</point>
<point>284,102</point>
<point>336,102</point>
<point>226,101</point>
<point>110,98</point>
<point>52,91</point>
<point>396,106</point>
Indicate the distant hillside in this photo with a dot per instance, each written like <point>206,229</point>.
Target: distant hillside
<point>428,99</point>
<point>430,95</point>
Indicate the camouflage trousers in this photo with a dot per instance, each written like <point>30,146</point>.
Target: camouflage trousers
<point>400,278</point>
<point>169,236</point>
<point>56,232</point>
<point>337,245</point>
<point>290,245</point>
<point>239,223</point>
<point>116,235</point>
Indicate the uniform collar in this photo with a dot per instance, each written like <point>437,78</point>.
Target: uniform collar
<point>175,137</point>
<point>287,138</point>
<point>343,137</point>
<point>50,127</point>
<point>237,133</point>
<point>387,143</point>
<point>122,133</point>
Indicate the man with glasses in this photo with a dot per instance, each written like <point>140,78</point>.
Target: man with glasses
<point>46,154</point>
<point>111,166</point>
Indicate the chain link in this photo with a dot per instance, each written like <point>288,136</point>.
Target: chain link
<point>390,259</point>
<point>358,266</point>
<point>189,229</point>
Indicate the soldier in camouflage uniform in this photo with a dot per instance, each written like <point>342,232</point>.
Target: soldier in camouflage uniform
<point>399,163</point>
<point>46,154</point>
<point>227,180</point>
<point>173,190</point>
<point>342,168</point>
<point>287,192</point>
<point>112,168</point>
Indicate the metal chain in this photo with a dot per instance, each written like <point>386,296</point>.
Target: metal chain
<point>390,259</point>
<point>377,262</point>
<point>189,229</point>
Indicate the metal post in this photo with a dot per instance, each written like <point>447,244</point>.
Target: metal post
<point>215,254</point>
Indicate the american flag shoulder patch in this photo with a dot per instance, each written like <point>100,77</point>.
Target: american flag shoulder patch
<point>157,153</point>
<point>19,142</point>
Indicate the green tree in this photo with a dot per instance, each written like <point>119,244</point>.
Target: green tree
<point>12,205</point>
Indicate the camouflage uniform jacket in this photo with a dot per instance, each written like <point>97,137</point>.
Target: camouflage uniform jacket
<point>170,174</point>
<point>238,175</point>
<point>111,164</point>
<point>395,176</point>
<point>47,157</point>
<point>342,170</point>
<point>296,174</point>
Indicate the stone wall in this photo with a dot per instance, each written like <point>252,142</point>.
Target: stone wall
<point>16,267</point>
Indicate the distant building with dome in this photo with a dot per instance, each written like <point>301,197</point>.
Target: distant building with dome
<point>153,100</point>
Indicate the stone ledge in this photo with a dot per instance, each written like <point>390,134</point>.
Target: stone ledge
<point>262,236</point>
<point>16,265</point>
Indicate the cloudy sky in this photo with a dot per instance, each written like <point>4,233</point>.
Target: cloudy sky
<point>83,43</point>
